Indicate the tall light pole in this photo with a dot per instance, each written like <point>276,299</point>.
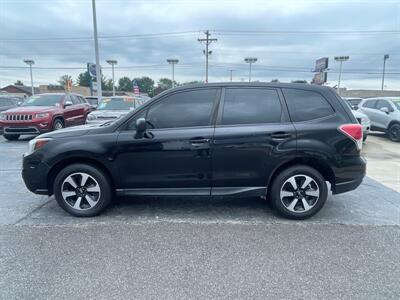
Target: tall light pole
<point>385,57</point>
<point>96,49</point>
<point>340,59</point>
<point>112,62</point>
<point>250,61</point>
<point>207,52</point>
<point>173,62</point>
<point>30,62</point>
<point>231,73</point>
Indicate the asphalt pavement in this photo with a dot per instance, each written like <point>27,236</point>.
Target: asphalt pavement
<point>147,248</point>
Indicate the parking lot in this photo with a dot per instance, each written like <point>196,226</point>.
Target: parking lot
<point>196,248</point>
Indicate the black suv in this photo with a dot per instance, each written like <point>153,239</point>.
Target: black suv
<point>285,141</point>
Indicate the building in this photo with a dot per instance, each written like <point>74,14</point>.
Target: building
<point>19,90</point>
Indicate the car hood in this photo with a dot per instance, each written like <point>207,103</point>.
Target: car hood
<point>31,109</point>
<point>71,131</point>
<point>110,113</point>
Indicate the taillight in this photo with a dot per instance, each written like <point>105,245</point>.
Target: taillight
<point>353,131</point>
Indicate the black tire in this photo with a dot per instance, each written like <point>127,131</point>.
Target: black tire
<point>104,196</point>
<point>394,132</point>
<point>365,137</point>
<point>11,137</point>
<point>280,182</point>
<point>58,124</point>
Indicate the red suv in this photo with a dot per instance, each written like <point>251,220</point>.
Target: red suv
<point>43,113</point>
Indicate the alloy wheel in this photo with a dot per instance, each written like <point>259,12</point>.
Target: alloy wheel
<point>80,191</point>
<point>299,193</point>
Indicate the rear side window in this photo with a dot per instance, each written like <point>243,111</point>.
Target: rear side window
<point>384,103</point>
<point>306,105</point>
<point>369,104</point>
<point>251,106</point>
<point>185,109</point>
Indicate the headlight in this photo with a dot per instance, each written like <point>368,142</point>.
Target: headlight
<point>36,144</point>
<point>2,116</point>
<point>42,115</point>
<point>91,117</point>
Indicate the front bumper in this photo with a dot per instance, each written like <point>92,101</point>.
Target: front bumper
<point>34,174</point>
<point>37,127</point>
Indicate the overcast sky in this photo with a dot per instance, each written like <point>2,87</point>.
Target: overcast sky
<point>58,34</point>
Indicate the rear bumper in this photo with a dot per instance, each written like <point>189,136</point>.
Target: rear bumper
<point>34,174</point>
<point>350,175</point>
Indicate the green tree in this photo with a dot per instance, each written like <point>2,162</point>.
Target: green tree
<point>18,82</point>
<point>146,85</point>
<point>83,79</point>
<point>192,82</point>
<point>63,79</point>
<point>165,83</point>
<point>125,84</point>
<point>275,80</point>
<point>106,84</point>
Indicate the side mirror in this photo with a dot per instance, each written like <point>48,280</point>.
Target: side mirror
<point>385,110</point>
<point>67,103</point>
<point>141,127</point>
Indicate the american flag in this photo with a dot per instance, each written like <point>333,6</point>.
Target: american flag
<point>136,89</point>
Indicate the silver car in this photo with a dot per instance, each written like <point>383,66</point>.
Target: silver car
<point>384,113</point>
<point>361,118</point>
<point>112,108</point>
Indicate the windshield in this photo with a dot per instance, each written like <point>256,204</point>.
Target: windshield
<point>43,100</point>
<point>116,104</point>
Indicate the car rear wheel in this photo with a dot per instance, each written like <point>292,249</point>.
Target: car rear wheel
<point>82,190</point>
<point>11,137</point>
<point>299,192</point>
<point>58,124</point>
<point>394,132</point>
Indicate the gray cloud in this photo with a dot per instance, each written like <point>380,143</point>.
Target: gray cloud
<point>47,19</point>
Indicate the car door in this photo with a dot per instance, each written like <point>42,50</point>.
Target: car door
<point>382,118</point>
<point>174,156</point>
<point>253,133</point>
<point>368,108</point>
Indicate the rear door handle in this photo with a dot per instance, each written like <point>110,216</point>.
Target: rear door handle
<point>280,135</point>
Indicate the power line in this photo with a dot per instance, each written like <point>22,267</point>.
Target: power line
<point>303,32</point>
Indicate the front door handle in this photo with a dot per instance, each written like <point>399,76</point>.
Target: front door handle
<point>199,141</point>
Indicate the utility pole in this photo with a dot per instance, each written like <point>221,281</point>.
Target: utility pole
<point>340,59</point>
<point>30,62</point>
<point>96,49</point>
<point>112,62</point>
<point>230,72</point>
<point>250,61</point>
<point>206,52</point>
<point>173,62</point>
<point>385,57</point>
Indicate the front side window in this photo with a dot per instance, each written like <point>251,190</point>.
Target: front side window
<point>306,105</point>
<point>251,106</point>
<point>185,109</point>
<point>384,103</point>
<point>43,100</point>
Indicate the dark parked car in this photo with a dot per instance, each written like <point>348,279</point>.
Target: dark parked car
<point>7,103</point>
<point>285,141</point>
<point>43,113</point>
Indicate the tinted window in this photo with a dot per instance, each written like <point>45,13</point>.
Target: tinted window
<point>306,105</point>
<point>74,99</point>
<point>384,103</point>
<point>369,104</point>
<point>251,106</point>
<point>82,100</point>
<point>186,109</point>
<point>116,103</point>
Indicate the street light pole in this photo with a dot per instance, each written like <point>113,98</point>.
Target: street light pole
<point>30,62</point>
<point>96,49</point>
<point>250,61</point>
<point>173,62</point>
<point>385,57</point>
<point>340,59</point>
<point>112,62</point>
<point>231,72</point>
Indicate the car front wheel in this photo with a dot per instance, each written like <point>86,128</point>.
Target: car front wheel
<point>82,190</point>
<point>394,132</point>
<point>299,192</point>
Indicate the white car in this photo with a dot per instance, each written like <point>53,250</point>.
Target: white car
<point>364,121</point>
<point>112,108</point>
